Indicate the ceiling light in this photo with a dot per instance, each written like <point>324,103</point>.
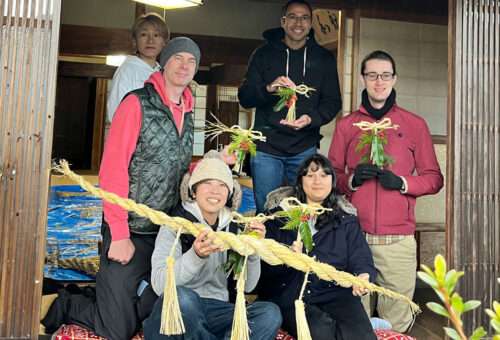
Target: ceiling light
<point>171,4</point>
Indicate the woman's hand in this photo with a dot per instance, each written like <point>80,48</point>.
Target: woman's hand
<point>257,228</point>
<point>204,244</point>
<point>297,246</point>
<point>360,291</point>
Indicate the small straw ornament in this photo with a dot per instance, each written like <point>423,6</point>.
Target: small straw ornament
<point>171,317</point>
<point>373,136</point>
<point>242,140</point>
<point>268,250</point>
<point>288,97</point>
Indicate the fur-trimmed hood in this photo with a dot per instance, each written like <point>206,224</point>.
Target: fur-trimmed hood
<point>275,197</point>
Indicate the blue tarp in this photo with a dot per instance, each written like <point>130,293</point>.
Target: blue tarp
<point>74,222</point>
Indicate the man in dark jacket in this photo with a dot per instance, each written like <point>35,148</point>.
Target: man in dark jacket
<point>148,150</point>
<point>290,57</point>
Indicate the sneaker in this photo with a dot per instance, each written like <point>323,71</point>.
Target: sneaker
<point>378,323</point>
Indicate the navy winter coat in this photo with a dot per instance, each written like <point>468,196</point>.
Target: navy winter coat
<point>338,242</point>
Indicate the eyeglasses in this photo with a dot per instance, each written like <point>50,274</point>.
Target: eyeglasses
<point>295,18</point>
<point>373,76</point>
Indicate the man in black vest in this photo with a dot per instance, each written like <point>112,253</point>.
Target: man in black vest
<point>148,150</point>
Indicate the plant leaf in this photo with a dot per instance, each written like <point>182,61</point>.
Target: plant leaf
<point>430,280</point>
<point>306,235</point>
<point>471,304</point>
<point>438,309</point>
<point>451,279</point>
<point>452,333</point>
<point>457,303</point>
<point>440,268</point>
<point>478,334</point>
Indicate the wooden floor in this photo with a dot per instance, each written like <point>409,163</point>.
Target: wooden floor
<point>428,326</point>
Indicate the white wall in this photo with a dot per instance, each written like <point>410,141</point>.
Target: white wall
<point>420,52</point>
<point>227,18</point>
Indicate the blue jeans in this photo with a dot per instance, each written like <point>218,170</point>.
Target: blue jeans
<point>269,172</point>
<point>210,319</point>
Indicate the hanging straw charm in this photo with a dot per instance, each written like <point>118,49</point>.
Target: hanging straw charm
<point>240,330</point>
<point>303,332</point>
<point>171,317</point>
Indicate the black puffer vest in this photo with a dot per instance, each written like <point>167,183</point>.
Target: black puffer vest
<point>160,159</point>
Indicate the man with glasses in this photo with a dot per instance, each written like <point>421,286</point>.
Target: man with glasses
<point>290,57</point>
<point>385,197</point>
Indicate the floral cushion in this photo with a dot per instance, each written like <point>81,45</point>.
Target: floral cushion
<point>384,334</point>
<point>75,332</point>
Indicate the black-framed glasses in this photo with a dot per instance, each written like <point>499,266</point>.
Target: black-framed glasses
<point>372,76</point>
<point>296,18</point>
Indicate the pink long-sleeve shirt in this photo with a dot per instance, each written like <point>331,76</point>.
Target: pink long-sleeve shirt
<point>121,144</point>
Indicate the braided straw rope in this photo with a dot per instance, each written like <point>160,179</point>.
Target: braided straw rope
<point>269,250</point>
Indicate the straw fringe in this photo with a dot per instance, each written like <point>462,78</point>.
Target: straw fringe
<point>240,330</point>
<point>269,250</point>
<point>171,317</point>
<point>303,332</point>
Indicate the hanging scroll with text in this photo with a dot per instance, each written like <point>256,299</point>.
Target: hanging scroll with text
<point>326,23</point>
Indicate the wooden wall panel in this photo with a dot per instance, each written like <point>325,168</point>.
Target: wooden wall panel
<point>29,33</point>
<point>474,123</point>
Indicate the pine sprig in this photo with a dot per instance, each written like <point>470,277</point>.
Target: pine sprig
<point>372,142</point>
<point>299,217</point>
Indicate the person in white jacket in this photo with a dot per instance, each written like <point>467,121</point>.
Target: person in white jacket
<point>202,283</point>
<point>150,34</point>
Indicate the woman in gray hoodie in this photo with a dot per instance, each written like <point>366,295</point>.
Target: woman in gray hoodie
<point>202,284</point>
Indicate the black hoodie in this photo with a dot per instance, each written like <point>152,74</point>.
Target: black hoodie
<point>311,65</point>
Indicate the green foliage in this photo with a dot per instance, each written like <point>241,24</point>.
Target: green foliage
<point>285,94</point>
<point>444,282</point>
<point>374,142</point>
<point>298,220</point>
<point>242,142</point>
<point>234,263</point>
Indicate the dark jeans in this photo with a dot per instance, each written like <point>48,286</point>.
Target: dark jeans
<point>115,312</point>
<point>210,319</point>
<point>269,172</point>
<point>341,319</point>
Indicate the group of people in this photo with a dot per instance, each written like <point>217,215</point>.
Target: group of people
<point>368,230</point>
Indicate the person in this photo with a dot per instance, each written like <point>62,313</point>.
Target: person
<point>290,57</point>
<point>202,283</point>
<point>385,197</point>
<point>148,150</point>
<point>332,311</point>
<point>150,33</point>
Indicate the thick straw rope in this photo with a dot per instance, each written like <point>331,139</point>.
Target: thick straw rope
<point>269,250</point>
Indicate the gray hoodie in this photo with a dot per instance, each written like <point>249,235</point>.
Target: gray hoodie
<point>205,276</point>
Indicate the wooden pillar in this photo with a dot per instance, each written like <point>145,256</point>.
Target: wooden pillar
<point>29,36</point>
<point>473,214</point>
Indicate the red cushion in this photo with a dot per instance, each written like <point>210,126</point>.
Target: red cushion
<point>384,334</point>
<point>75,332</point>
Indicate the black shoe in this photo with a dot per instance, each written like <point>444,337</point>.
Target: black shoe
<point>57,314</point>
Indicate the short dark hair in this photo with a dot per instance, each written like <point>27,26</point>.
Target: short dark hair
<point>380,55</point>
<point>298,2</point>
<point>153,19</point>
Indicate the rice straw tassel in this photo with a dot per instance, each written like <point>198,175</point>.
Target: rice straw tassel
<point>240,330</point>
<point>303,332</point>
<point>171,316</point>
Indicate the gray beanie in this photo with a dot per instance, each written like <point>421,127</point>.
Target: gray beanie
<point>178,45</point>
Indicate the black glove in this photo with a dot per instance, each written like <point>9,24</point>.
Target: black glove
<point>364,172</point>
<point>389,180</point>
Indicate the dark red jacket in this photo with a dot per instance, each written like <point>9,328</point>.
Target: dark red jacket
<point>381,211</point>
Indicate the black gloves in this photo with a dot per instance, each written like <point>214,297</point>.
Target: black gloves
<point>389,180</point>
<point>364,172</point>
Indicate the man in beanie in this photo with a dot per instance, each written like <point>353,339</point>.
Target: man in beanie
<point>202,284</point>
<point>148,150</point>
